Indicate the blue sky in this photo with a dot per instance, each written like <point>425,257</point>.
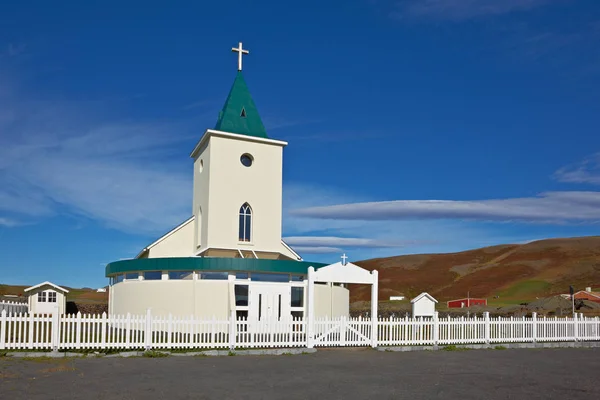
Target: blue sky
<point>413,126</point>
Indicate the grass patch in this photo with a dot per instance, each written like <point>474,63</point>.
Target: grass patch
<point>499,347</point>
<point>453,347</point>
<point>525,289</point>
<point>154,354</point>
<point>3,353</point>
<point>231,353</point>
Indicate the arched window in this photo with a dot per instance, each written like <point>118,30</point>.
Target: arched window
<point>245,222</point>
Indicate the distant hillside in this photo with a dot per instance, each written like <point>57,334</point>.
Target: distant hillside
<point>513,272</point>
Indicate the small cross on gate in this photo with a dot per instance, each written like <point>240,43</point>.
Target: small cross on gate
<point>240,52</point>
<point>344,259</point>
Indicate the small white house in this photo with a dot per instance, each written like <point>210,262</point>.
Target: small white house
<point>423,305</point>
<point>45,297</point>
<point>397,298</point>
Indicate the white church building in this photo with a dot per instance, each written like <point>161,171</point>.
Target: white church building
<point>228,255</point>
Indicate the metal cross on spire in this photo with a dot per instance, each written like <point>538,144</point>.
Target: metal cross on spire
<point>240,52</point>
<point>344,259</point>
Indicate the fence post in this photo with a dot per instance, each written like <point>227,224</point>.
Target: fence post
<point>486,317</point>
<point>436,328</point>
<point>534,326</point>
<point>30,332</point>
<point>78,330</point>
<point>103,331</point>
<point>56,329</point>
<point>232,329</point>
<point>575,333</point>
<point>310,310</point>
<point>148,330</point>
<point>127,330</point>
<point>374,305</point>
<point>3,329</point>
<point>343,330</point>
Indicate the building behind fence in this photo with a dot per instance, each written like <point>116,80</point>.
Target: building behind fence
<point>65,332</point>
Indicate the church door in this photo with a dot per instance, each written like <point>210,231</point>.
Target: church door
<point>269,301</point>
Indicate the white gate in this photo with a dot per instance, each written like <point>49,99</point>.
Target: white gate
<point>342,331</point>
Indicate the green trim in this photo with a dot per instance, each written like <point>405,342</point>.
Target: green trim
<point>210,264</point>
<point>231,118</point>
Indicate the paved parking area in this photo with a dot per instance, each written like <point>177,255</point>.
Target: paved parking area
<point>328,374</point>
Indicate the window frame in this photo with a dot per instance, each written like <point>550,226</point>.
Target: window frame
<point>245,223</point>
<point>42,297</point>
<point>153,279</point>
<point>52,297</point>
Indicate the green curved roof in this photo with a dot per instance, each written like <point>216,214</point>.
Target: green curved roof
<point>239,114</point>
<point>210,264</point>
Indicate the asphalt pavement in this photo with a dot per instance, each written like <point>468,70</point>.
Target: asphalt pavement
<point>328,374</point>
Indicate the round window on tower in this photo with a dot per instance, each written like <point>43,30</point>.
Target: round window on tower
<point>246,160</point>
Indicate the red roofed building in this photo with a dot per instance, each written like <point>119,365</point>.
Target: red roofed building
<point>467,302</point>
<point>588,295</point>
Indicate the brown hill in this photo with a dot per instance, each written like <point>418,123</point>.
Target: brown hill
<point>513,272</point>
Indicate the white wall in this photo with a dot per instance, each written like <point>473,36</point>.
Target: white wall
<point>46,307</point>
<point>224,185</point>
<point>179,243</point>
<point>202,299</point>
<point>424,307</point>
<point>206,298</point>
<point>202,173</point>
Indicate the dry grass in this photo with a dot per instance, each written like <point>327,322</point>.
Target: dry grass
<point>516,273</point>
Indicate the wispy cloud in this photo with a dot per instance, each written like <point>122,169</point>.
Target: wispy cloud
<point>55,158</point>
<point>587,171</point>
<point>459,10</point>
<point>312,235</point>
<point>549,207</point>
<point>7,222</point>
<point>318,250</point>
<point>333,241</point>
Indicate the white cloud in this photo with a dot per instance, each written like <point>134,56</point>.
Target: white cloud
<point>549,207</point>
<point>462,9</point>
<point>7,222</point>
<point>332,241</point>
<point>373,238</point>
<point>587,171</point>
<point>55,157</point>
<point>317,250</point>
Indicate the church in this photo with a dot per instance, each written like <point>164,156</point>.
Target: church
<point>228,256</point>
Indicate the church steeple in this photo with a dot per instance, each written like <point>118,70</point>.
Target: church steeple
<point>239,114</point>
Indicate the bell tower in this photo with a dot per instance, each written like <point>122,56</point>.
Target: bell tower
<point>238,183</point>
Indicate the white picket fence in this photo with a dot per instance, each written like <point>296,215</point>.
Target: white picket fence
<point>13,307</point>
<point>65,332</point>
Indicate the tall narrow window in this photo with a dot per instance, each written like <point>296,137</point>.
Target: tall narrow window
<point>199,228</point>
<point>245,223</point>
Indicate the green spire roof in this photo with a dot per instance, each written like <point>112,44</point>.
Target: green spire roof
<point>239,114</point>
